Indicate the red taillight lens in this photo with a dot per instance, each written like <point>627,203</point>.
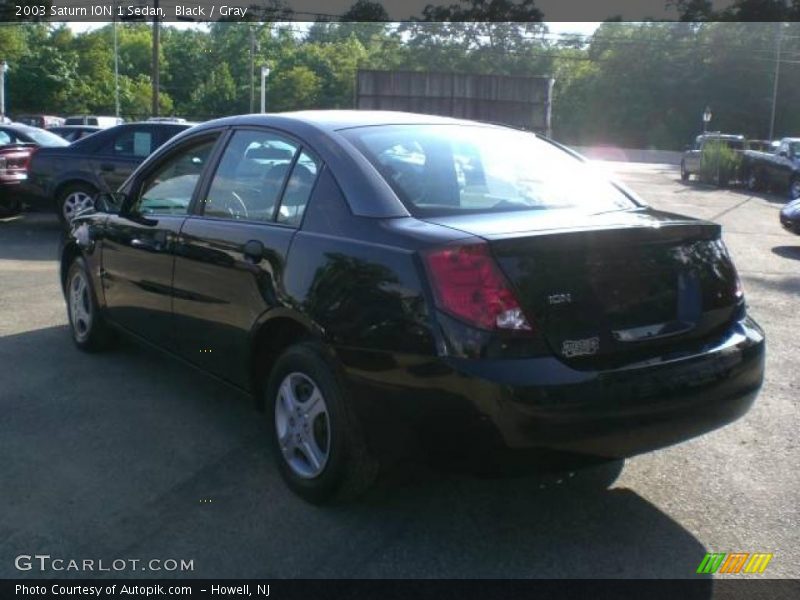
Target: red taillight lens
<point>468,284</point>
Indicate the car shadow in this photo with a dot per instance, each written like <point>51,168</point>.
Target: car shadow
<point>792,252</point>
<point>17,232</point>
<point>127,454</point>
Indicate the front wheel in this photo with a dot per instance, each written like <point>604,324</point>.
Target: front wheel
<point>317,439</point>
<point>684,172</point>
<point>89,330</point>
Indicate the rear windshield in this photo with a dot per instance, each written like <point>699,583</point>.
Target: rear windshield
<point>439,170</point>
<point>45,138</point>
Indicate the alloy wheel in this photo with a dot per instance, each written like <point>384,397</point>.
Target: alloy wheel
<point>302,425</point>
<point>80,306</point>
<point>74,203</point>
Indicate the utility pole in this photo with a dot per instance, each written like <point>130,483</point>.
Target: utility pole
<point>116,62</point>
<point>775,80</point>
<point>3,68</point>
<point>264,75</point>
<point>252,69</point>
<point>156,52</point>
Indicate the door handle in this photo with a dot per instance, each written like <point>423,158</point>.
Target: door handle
<point>156,243</point>
<point>151,245</point>
<point>107,167</point>
<point>253,252</point>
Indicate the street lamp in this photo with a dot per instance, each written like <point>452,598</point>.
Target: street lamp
<point>706,118</point>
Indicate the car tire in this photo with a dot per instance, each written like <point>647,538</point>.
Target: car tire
<point>72,199</point>
<point>10,207</point>
<point>684,173</point>
<point>754,180</point>
<point>794,188</point>
<point>89,330</point>
<point>317,439</point>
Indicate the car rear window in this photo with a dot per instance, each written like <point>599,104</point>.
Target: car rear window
<point>439,170</point>
<point>46,139</point>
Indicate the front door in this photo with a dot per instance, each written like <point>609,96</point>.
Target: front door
<point>138,245</point>
<point>230,258</point>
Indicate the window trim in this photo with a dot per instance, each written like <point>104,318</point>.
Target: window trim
<point>136,188</point>
<point>198,207</point>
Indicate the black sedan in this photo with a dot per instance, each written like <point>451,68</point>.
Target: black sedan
<point>373,277</point>
<point>790,216</point>
<point>65,179</point>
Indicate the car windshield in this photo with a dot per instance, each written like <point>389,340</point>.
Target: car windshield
<point>439,170</point>
<point>46,139</point>
<point>794,148</point>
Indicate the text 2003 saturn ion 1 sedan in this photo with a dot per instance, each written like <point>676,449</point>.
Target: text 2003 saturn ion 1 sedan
<point>360,272</point>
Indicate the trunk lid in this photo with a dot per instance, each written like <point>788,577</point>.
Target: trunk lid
<point>612,288</point>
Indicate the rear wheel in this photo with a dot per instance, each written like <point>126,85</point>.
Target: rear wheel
<point>754,180</point>
<point>794,188</point>
<point>89,330</point>
<point>317,440</point>
<point>73,199</point>
<point>684,172</point>
<point>9,207</point>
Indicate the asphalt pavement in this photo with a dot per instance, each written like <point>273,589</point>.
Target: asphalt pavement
<point>132,456</point>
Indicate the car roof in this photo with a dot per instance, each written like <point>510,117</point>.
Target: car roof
<point>722,136</point>
<point>333,120</point>
<point>19,126</point>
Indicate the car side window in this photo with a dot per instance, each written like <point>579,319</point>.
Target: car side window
<point>169,190</point>
<point>134,143</point>
<point>4,138</point>
<point>298,190</point>
<point>250,177</point>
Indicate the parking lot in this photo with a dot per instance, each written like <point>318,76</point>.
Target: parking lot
<point>131,455</point>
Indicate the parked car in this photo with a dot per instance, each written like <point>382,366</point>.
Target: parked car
<point>17,133</point>
<point>779,170</point>
<point>790,216</point>
<point>65,179</point>
<point>17,145</point>
<point>41,121</point>
<point>366,272</point>
<point>762,145</point>
<point>103,122</point>
<point>13,171</point>
<point>167,120</point>
<point>693,155</point>
<point>73,133</point>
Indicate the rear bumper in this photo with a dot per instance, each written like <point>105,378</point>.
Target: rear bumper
<point>542,403</point>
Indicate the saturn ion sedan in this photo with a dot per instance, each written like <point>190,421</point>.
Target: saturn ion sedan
<point>377,279</point>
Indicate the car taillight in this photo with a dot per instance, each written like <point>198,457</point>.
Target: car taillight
<point>468,285</point>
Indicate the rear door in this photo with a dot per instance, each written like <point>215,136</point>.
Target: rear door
<point>232,253</point>
<point>138,247</point>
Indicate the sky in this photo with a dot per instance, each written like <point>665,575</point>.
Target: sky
<point>585,28</point>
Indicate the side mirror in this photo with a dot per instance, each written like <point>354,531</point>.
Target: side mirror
<point>109,202</point>
<point>782,153</point>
